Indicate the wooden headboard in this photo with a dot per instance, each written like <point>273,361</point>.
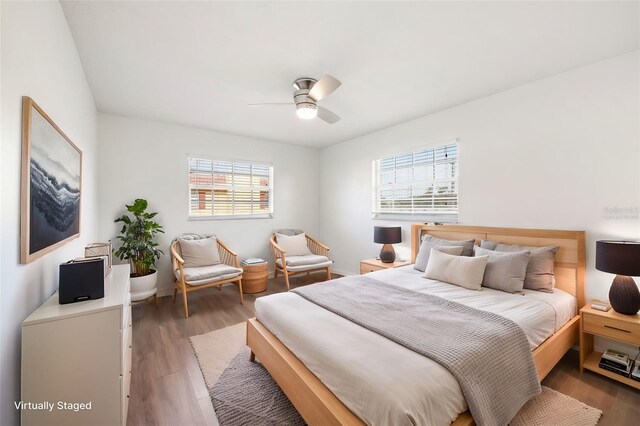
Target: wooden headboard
<point>570,259</point>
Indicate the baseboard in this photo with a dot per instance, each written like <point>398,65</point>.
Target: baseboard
<point>168,291</point>
<point>342,272</point>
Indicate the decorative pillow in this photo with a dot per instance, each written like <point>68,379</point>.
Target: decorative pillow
<point>202,252</point>
<point>489,245</point>
<point>540,268</point>
<point>462,271</point>
<point>505,271</point>
<point>452,250</point>
<point>293,245</point>
<point>429,242</point>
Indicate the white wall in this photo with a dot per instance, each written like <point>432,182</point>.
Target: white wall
<point>147,159</point>
<point>39,59</point>
<point>551,154</point>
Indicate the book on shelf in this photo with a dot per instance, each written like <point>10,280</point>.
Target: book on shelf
<point>618,357</point>
<point>622,372</point>
<point>600,305</point>
<point>613,364</point>
<point>635,372</point>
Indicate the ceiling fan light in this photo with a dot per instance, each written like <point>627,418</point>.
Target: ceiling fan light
<point>306,111</point>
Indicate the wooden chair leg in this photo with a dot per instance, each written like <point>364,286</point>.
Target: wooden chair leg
<point>186,307</point>
<point>286,279</point>
<point>240,289</point>
<point>328,273</point>
<point>175,291</point>
<point>275,273</point>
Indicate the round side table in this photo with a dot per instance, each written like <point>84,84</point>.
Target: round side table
<point>254,278</point>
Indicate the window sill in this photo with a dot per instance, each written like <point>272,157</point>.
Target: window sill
<point>450,218</point>
<point>232,217</point>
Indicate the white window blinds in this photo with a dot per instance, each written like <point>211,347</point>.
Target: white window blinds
<point>423,183</point>
<point>220,188</point>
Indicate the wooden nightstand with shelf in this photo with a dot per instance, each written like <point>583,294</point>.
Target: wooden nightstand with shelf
<point>610,325</point>
<point>370,265</point>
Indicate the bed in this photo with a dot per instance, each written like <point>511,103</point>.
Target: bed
<point>285,325</point>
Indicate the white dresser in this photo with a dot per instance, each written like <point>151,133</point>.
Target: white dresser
<point>79,353</point>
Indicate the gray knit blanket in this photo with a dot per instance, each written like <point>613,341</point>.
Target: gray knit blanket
<point>489,355</point>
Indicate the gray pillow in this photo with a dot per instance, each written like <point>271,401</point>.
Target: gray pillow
<point>505,271</point>
<point>199,252</point>
<point>489,245</point>
<point>452,250</point>
<point>540,269</point>
<point>429,242</point>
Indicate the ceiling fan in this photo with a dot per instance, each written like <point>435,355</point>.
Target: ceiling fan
<point>307,93</point>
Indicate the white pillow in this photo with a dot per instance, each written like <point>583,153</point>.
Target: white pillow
<point>293,245</point>
<point>202,252</point>
<point>462,271</point>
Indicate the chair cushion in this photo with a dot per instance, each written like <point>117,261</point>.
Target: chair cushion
<point>288,231</point>
<point>207,274</point>
<point>199,252</point>
<point>295,245</point>
<point>310,267</point>
<point>309,259</point>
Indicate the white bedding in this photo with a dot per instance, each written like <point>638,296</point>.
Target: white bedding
<point>385,383</point>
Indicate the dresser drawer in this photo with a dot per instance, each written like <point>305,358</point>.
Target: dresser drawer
<point>611,327</point>
<point>127,339</point>
<point>126,312</point>
<point>125,388</point>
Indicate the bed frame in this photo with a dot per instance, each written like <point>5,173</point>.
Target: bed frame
<point>319,406</point>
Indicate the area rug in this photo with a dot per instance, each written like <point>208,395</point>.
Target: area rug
<point>243,393</point>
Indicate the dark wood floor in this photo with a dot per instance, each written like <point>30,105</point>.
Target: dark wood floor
<point>167,387</point>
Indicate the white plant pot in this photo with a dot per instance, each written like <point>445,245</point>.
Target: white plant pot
<point>143,287</point>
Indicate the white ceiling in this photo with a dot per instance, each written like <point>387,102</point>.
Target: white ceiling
<point>200,63</point>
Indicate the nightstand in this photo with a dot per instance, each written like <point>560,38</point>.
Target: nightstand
<point>611,325</point>
<point>370,265</point>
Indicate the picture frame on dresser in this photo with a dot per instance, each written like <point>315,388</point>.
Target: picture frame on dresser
<point>51,185</point>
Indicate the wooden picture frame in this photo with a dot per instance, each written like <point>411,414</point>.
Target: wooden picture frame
<point>51,185</point>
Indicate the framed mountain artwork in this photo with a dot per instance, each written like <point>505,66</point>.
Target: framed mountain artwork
<point>51,185</point>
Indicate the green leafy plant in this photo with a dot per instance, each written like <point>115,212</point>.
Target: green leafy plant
<point>138,238</point>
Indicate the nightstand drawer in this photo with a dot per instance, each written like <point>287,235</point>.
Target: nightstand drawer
<point>365,269</point>
<point>611,327</point>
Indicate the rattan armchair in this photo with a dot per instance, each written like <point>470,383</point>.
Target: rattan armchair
<point>282,266</point>
<point>183,283</point>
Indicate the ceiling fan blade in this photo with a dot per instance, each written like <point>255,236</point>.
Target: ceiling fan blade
<point>271,103</point>
<point>327,115</point>
<point>324,87</point>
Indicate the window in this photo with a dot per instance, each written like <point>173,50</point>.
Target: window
<point>421,183</point>
<point>229,189</point>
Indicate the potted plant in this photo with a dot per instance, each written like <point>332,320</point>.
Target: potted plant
<point>139,247</point>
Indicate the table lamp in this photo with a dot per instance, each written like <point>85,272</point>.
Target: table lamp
<point>387,235</point>
<point>623,259</point>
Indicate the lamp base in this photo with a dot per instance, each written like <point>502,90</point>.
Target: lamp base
<point>387,254</point>
<point>624,295</point>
